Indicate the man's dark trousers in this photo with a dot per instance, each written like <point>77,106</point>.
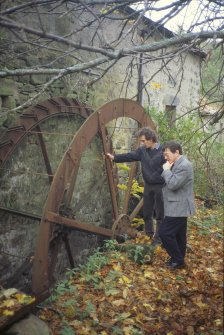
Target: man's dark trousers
<point>173,233</point>
<point>153,202</point>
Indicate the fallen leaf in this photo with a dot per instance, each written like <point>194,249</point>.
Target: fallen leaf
<point>125,293</point>
<point>119,302</point>
<point>9,292</point>
<point>125,279</point>
<point>125,315</point>
<point>8,303</point>
<point>148,306</point>
<point>117,267</point>
<point>7,312</point>
<point>112,291</point>
<point>149,274</point>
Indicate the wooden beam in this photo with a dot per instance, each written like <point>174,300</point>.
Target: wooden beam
<point>78,225</point>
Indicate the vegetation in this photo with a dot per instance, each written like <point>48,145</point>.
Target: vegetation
<point>206,155</point>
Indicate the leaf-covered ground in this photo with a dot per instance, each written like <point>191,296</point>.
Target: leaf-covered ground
<point>113,294</point>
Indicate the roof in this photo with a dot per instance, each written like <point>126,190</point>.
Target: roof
<point>160,28</point>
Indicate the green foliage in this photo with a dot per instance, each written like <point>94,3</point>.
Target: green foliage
<point>137,332</point>
<point>117,331</point>
<point>112,275</point>
<point>138,256</point>
<point>186,129</point>
<point>110,281</point>
<point>90,308</point>
<point>95,262</point>
<point>207,161</point>
<point>139,253</point>
<point>110,245</point>
<point>67,331</point>
<point>63,287</point>
<point>69,302</point>
<point>71,272</point>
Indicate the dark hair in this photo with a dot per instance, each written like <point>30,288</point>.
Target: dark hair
<point>148,133</point>
<point>173,146</point>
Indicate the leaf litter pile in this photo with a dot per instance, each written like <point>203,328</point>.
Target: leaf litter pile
<point>127,289</point>
<point>11,302</point>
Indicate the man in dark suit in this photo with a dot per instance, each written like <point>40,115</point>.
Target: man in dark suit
<point>151,157</point>
<point>178,203</point>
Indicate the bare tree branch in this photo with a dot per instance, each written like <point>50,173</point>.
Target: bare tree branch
<point>178,40</point>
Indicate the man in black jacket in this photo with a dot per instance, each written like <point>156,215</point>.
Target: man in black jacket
<point>151,157</point>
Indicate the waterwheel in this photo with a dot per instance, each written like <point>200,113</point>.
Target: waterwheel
<point>66,206</point>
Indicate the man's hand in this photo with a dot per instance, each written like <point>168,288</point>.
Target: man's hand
<point>167,166</point>
<point>111,157</point>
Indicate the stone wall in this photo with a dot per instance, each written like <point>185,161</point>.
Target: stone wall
<point>178,84</point>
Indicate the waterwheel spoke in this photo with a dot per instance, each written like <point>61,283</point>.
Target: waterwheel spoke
<point>131,175</point>
<point>109,166</point>
<point>45,154</point>
<point>136,210</point>
<point>78,225</point>
<point>68,250</point>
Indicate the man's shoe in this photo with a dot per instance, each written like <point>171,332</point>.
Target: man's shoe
<point>175,265</point>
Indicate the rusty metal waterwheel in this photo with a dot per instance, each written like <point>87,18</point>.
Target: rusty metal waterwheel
<point>64,182</point>
<point>62,204</point>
